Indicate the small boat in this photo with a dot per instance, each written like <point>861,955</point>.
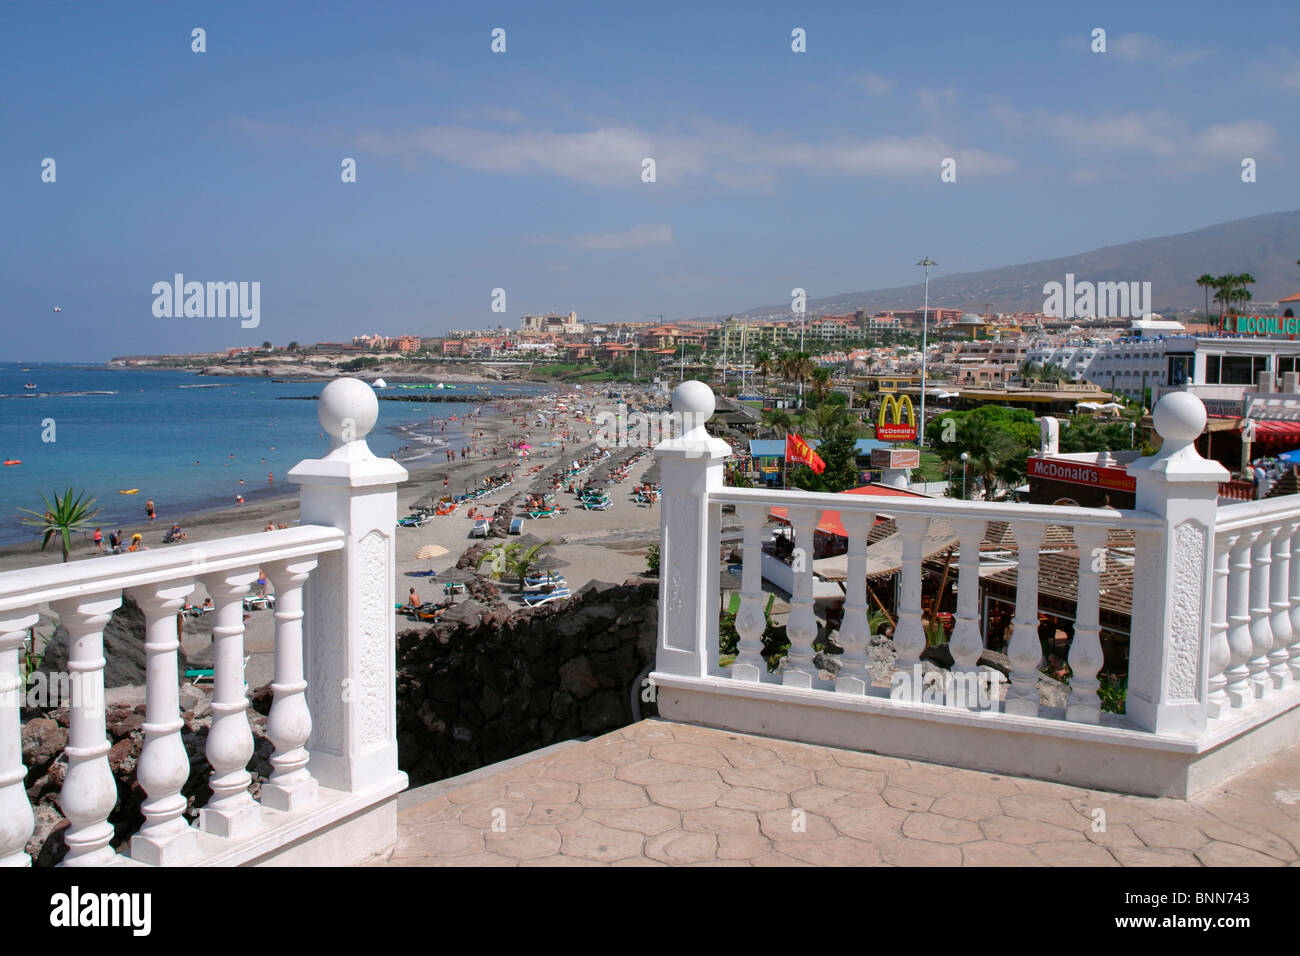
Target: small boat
<point>130,491</point>
<point>14,461</point>
<point>30,385</point>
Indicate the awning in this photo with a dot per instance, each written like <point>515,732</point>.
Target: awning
<point>831,523</point>
<point>1277,430</point>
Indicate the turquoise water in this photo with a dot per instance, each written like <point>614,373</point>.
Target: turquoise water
<point>150,431</point>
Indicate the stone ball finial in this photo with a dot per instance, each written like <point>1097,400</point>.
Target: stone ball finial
<point>347,409</point>
<point>694,402</point>
<point>1179,417</point>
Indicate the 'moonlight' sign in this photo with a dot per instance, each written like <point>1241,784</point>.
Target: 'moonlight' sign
<point>1267,324</point>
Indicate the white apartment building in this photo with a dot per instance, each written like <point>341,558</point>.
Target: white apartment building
<point>1075,355</point>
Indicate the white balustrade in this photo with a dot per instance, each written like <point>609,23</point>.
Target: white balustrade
<point>291,787</point>
<point>909,634</point>
<point>1261,631</point>
<point>966,643</point>
<point>1294,649</point>
<point>1240,642</point>
<point>1279,620</point>
<point>164,766</point>
<point>855,630</point>
<point>17,823</point>
<point>89,790</point>
<point>798,669</point>
<point>1220,653</point>
<point>1086,658</point>
<point>1025,649</point>
<point>751,618</point>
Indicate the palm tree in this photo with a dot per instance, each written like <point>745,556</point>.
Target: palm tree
<point>778,419</point>
<point>508,560</point>
<point>1205,282</point>
<point>1028,371</point>
<point>763,362</point>
<point>989,449</point>
<point>821,384</point>
<point>66,515</point>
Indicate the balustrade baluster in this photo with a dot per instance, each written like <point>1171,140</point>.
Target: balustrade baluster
<point>855,629</point>
<point>1279,670</point>
<point>1025,649</point>
<point>231,811</point>
<point>802,624</point>
<point>751,620</point>
<point>1217,703</point>
<point>1261,631</point>
<point>909,634</point>
<point>166,838</point>
<point>89,790</point>
<point>1086,658</point>
<point>966,643</point>
<point>17,822</point>
<point>291,786</point>
<point>1240,644</point>
<point>1293,651</point>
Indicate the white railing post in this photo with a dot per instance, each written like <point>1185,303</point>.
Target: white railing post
<point>1240,644</point>
<point>797,669</point>
<point>349,629</point>
<point>1025,649</point>
<point>1086,658</point>
<point>165,839</point>
<point>291,786</point>
<point>1261,630</point>
<point>89,789</point>
<point>966,643</point>
<point>1294,650</point>
<point>909,633</point>
<point>751,618</point>
<point>690,468</point>
<point>855,628</point>
<point>1169,644</point>
<point>1279,621</point>
<point>231,811</point>
<point>17,823</point>
<point>1220,650</point>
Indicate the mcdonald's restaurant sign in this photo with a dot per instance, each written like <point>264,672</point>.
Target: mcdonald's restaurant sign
<point>898,430</point>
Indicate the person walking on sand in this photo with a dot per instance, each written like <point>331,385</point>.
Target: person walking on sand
<point>98,538</point>
<point>148,510</point>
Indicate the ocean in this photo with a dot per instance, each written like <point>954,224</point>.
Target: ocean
<point>183,446</point>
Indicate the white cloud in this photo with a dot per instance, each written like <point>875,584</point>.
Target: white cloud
<point>503,114</point>
<point>873,83</point>
<point>1139,48</point>
<point>638,237</point>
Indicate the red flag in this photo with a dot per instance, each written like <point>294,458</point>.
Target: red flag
<point>798,451</point>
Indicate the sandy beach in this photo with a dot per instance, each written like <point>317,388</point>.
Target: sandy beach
<point>607,545</point>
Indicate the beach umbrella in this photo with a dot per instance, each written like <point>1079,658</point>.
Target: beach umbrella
<point>549,562</point>
<point>431,551</point>
<point>454,575</point>
<point>526,541</point>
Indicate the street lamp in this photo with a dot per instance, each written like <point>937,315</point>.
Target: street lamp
<point>965,457</point>
<point>1132,426</point>
<point>925,318</point>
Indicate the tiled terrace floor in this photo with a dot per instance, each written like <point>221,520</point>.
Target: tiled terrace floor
<point>658,793</point>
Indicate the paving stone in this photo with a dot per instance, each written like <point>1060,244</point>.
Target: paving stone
<point>660,771</point>
<point>440,839</point>
<point>962,805</point>
<point>637,861</point>
<point>1115,834</point>
<point>906,799</point>
<point>777,858</point>
<point>678,847</point>
<point>919,853</point>
<point>476,859</point>
<point>817,797</point>
<point>1229,854</point>
<point>926,780</point>
<point>1169,834</point>
<point>1046,809</point>
<point>782,826</point>
<point>780,779</point>
<point>552,813</point>
<point>737,846</point>
<point>744,756</point>
<point>1073,853</point>
<point>862,761</point>
<point>491,789</point>
<point>523,842</point>
<point>617,751</point>
<point>751,798</point>
<point>508,811</point>
<point>612,795</point>
<point>1118,809</point>
<point>540,789</point>
<point>853,779</point>
<point>721,820</point>
<point>648,821</point>
<point>686,794</point>
<point>1249,836</point>
<point>938,829</point>
<point>561,861</point>
<point>841,851</point>
<point>692,755</point>
<point>988,853</point>
<point>1153,856</point>
<point>1049,788</point>
<point>1022,832</point>
<point>578,769</point>
<point>872,826</point>
<point>592,841</point>
<point>980,784</point>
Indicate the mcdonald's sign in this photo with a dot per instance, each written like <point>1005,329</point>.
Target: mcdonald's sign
<point>896,430</point>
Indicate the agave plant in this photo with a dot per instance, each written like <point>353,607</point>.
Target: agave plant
<point>66,515</point>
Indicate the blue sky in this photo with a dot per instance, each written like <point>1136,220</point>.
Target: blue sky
<point>522,170</point>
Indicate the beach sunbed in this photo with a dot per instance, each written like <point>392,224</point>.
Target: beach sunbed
<point>481,528</point>
<point>516,525</point>
<point>537,598</point>
<point>596,505</point>
<point>259,602</point>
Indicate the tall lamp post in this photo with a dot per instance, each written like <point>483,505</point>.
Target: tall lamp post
<point>925,320</point>
<point>965,457</point>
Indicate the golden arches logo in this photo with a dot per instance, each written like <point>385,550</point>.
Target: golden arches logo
<point>896,431</point>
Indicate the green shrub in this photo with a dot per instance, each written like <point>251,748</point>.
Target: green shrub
<point>652,559</point>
